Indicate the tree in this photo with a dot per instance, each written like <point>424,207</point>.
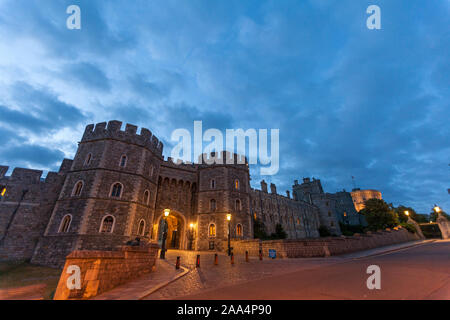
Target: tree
<point>434,215</point>
<point>400,210</point>
<point>259,230</point>
<point>279,232</point>
<point>379,214</point>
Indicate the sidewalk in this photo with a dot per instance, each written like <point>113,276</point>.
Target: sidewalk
<point>385,249</point>
<point>137,289</point>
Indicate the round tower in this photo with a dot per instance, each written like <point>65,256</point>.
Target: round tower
<point>109,193</point>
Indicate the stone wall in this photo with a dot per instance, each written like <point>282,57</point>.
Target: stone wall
<point>444,225</point>
<point>103,270</point>
<point>324,246</point>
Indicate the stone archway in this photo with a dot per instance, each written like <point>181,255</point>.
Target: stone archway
<point>176,230</point>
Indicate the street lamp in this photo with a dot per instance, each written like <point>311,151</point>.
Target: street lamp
<point>191,235</point>
<point>407,212</point>
<point>229,233</point>
<point>164,235</point>
<point>437,209</point>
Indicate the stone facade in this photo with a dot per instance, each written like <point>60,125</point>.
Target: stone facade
<point>334,208</point>
<point>303,248</point>
<point>116,189</point>
<point>360,196</point>
<point>101,271</point>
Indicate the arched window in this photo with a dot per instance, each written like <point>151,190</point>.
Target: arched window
<point>151,170</point>
<point>298,221</point>
<point>116,190</point>
<point>212,205</point>
<point>88,159</point>
<point>77,189</point>
<point>236,184</point>
<point>65,223</point>
<point>212,230</point>
<point>237,205</point>
<point>146,197</point>
<point>107,225</point>
<point>239,230</point>
<point>123,161</point>
<point>141,228</point>
<point>213,184</point>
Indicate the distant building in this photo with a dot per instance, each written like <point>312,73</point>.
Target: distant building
<point>334,208</point>
<point>360,196</point>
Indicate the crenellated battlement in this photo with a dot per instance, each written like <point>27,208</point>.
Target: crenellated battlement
<point>111,130</point>
<point>224,157</point>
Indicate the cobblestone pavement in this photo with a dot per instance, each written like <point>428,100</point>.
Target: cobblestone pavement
<point>210,276</point>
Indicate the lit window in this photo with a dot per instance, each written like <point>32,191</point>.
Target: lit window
<point>212,230</point>
<point>141,228</point>
<point>65,223</point>
<point>116,190</point>
<point>236,184</point>
<point>298,221</point>
<point>123,161</point>
<point>212,205</point>
<point>107,224</point>
<point>239,230</point>
<point>77,189</point>
<point>2,191</point>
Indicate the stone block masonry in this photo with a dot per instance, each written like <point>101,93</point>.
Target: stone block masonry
<point>323,247</point>
<point>103,270</point>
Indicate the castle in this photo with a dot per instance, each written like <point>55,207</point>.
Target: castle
<point>119,184</point>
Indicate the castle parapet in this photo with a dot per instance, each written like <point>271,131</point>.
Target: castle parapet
<point>3,171</point>
<point>26,175</point>
<point>224,157</point>
<point>111,130</point>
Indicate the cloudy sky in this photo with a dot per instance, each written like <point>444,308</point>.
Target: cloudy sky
<point>373,104</point>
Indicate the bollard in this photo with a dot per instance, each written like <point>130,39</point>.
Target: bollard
<point>177,265</point>
<point>246,256</point>
<point>232,258</point>
<point>216,259</point>
<point>198,261</point>
<point>260,254</point>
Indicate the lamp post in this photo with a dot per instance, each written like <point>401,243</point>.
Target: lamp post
<point>191,235</point>
<point>407,212</point>
<point>164,235</point>
<point>229,233</point>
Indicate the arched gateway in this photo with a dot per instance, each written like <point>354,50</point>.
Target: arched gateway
<point>176,230</point>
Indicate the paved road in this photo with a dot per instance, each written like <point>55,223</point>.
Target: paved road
<point>421,272</point>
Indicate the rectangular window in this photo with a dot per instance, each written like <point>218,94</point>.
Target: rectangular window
<point>211,245</point>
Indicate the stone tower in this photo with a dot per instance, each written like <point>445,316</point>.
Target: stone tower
<point>223,189</point>
<point>109,194</point>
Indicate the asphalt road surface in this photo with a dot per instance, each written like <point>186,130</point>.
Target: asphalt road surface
<point>420,272</point>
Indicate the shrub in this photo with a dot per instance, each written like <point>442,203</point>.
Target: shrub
<point>408,226</point>
<point>324,232</point>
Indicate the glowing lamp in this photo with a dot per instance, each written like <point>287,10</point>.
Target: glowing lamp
<point>407,213</point>
<point>228,217</point>
<point>166,212</point>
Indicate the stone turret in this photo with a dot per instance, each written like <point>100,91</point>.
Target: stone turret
<point>273,188</point>
<point>263,186</point>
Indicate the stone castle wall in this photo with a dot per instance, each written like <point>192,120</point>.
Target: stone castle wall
<point>323,246</point>
<point>26,208</point>
<point>103,270</point>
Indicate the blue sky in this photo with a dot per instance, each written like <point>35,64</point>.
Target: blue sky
<point>348,101</point>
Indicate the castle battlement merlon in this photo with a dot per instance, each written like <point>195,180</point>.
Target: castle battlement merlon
<point>224,157</point>
<point>3,171</point>
<point>111,130</point>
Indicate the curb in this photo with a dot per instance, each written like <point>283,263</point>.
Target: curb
<point>162,285</point>
<point>395,249</point>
